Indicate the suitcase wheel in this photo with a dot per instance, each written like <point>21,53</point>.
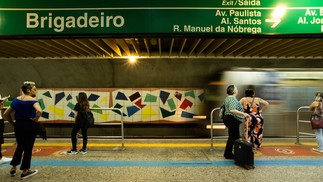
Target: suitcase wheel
<point>248,167</point>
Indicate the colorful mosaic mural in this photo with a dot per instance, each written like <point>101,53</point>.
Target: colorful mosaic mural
<point>137,105</point>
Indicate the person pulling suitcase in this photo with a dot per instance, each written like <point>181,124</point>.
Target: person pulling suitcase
<point>234,115</point>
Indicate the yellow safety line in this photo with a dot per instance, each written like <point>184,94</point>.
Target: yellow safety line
<point>269,144</point>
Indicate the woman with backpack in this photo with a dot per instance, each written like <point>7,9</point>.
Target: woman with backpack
<point>81,109</point>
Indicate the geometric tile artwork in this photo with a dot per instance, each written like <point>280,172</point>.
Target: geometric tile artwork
<point>186,103</point>
<point>69,97</point>
<point>150,98</point>
<point>41,103</point>
<point>135,104</point>
<point>121,96</point>
<point>201,97</point>
<point>45,115</point>
<point>132,110</point>
<point>178,95</point>
<point>93,97</point>
<point>187,115</point>
<point>171,104</point>
<point>190,93</point>
<point>139,104</point>
<point>72,114</point>
<point>96,110</point>
<point>59,97</point>
<point>166,113</point>
<point>134,96</point>
<point>164,96</point>
<point>47,94</point>
<point>148,113</point>
<point>70,105</point>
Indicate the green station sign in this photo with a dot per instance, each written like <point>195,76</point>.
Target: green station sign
<point>105,17</point>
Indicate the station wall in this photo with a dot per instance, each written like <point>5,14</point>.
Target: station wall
<point>118,73</point>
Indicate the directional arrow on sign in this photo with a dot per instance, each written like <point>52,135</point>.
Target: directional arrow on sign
<point>275,22</point>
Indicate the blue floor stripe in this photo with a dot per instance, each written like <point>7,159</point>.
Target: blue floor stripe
<point>174,163</point>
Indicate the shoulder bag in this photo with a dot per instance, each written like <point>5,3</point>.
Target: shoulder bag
<point>316,119</point>
<point>89,118</point>
<point>222,111</point>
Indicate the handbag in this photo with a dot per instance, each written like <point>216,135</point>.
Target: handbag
<point>89,118</point>
<point>316,121</point>
<point>41,130</point>
<point>316,118</point>
<point>222,111</point>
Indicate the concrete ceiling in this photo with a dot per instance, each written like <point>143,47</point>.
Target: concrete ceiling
<point>179,47</point>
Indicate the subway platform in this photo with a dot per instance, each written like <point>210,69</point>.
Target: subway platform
<point>159,160</point>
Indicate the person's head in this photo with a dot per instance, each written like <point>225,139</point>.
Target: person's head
<point>319,96</point>
<point>249,92</point>
<point>231,90</point>
<point>29,88</point>
<point>83,101</point>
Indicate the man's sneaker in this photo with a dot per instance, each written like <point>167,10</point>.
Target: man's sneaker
<point>13,172</point>
<point>29,174</point>
<point>5,160</point>
<point>72,152</point>
<point>317,150</point>
<point>83,151</point>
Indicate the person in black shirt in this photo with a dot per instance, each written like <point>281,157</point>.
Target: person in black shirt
<point>81,108</point>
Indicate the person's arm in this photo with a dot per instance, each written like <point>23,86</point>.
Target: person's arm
<point>264,104</point>
<point>76,109</point>
<point>236,112</point>
<point>242,101</point>
<point>75,115</point>
<point>39,111</point>
<point>7,116</point>
<point>314,105</point>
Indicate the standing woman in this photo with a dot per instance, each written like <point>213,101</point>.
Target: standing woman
<point>3,159</point>
<point>233,116</point>
<point>27,112</point>
<point>317,108</point>
<point>80,109</point>
<point>254,106</point>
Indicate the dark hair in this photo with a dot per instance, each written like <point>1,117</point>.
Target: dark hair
<point>230,89</point>
<point>249,92</point>
<point>83,101</point>
<point>27,86</point>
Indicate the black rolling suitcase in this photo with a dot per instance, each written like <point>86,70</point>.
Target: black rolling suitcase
<point>244,152</point>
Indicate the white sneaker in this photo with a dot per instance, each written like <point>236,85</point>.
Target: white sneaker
<point>72,152</point>
<point>29,174</point>
<point>5,160</point>
<point>317,150</point>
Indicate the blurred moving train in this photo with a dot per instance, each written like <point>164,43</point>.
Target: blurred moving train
<point>285,89</point>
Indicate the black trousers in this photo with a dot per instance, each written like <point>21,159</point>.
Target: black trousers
<point>25,132</point>
<point>233,126</point>
<point>1,135</point>
<point>75,129</point>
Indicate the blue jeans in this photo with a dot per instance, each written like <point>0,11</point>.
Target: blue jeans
<point>319,138</point>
